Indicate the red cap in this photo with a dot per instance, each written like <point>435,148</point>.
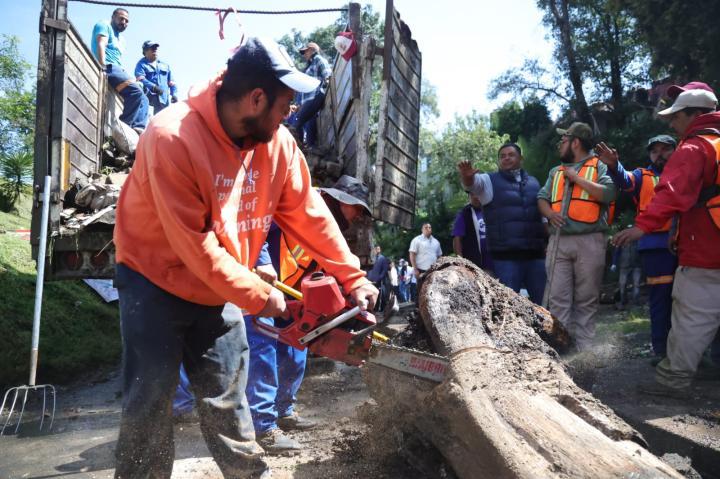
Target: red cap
<point>675,90</point>
<point>346,45</point>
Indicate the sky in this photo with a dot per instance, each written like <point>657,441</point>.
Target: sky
<point>464,44</point>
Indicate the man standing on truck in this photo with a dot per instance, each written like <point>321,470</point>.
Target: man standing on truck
<point>156,77</point>
<point>210,176</point>
<point>107,45</point>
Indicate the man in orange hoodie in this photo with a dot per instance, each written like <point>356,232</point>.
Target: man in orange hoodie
<point>210,176</point>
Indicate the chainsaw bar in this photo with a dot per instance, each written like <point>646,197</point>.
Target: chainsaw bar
<point>411,361</point>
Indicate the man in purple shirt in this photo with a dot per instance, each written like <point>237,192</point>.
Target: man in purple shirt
<point>469,234</point>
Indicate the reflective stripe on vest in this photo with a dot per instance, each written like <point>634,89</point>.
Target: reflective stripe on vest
<point>647,192</point>
<point>713,204</point>
<point>655,280</point>
<point>583,208</point>
<point>294,262</point>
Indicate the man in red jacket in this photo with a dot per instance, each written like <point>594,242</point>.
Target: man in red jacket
<point>687,189</point>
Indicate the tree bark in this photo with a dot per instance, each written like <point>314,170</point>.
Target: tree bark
<point>507,408</point>
<point>561,17</point>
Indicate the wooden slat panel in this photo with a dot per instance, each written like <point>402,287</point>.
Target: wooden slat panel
<point>81,168</point>
<point>408,126</point>
<point>409,73</point>
<point>82,62</point>
<point>85,127</point>
<point>400,159</point>
<point>400,122</point>
<point>406,89</point>
<point>85,147</point>
<point>407,46</point>
<point>344,97</point>
<point>346,136</point>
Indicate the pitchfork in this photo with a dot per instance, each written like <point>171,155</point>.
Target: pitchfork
<point>23,391</point>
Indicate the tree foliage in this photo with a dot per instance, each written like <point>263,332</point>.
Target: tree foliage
<point>517,120</point>
<point>17,103</point>
<point>17,122</point>
<point>370,22</point>
<point>597,56</point>
<point>683,37</point>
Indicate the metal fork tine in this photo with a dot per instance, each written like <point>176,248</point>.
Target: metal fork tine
<point>52,416</point>
<point>42,413</point>
<point>12,408</point>
<point>22,411</point>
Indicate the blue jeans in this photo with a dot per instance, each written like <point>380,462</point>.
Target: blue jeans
<point>516,274</point>
<point>135,103</point>
<point>276,372</point>
<point>659,266</point>
<point>184,400</point>
<point>306,120</point>
<point>159,331</point>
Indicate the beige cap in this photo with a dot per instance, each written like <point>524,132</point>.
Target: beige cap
<point>691,99</point>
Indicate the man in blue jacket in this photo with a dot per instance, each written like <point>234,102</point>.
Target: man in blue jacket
<point>516,234</point>
<point>155,77</point>
<point>658,262</point>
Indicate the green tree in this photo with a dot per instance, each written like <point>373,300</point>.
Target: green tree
<point>439,192</point>
<point>17,103</point>
<point>682,37</point>
<point>597,54</point>
<point>517,120</point>
<point>17,122</point>
<point>16,169</point>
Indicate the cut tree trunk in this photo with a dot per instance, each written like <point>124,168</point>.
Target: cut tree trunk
<point>507,408</point>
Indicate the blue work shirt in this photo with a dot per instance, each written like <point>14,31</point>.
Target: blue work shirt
<point>317,68</point>
<point>115,44</point>
<point>631,182</point>
<point>157,73</point>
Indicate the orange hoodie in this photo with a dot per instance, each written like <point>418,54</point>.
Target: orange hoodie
<point>196,209</point>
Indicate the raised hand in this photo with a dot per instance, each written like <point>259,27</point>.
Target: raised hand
<point>607,155</point>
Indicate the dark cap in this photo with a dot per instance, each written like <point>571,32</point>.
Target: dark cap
<point>150,44</point>
<point>578,130</point>
<point>265,53</point>
<point>675,90</point>
<point>350,191</point>
<point>665,139</point>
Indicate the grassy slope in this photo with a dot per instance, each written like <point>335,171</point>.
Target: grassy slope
<point>78,332</point>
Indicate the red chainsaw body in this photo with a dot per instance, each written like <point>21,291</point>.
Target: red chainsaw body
<point>322,302</point>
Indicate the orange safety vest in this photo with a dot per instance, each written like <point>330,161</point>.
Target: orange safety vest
<point>583,207</point>
<point>294,262</point>
<point>647,192</point>
<point>713,204</point>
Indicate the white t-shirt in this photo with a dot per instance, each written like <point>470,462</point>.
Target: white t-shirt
<point>426,250</point>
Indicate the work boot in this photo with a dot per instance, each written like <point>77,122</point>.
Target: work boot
<point>656,360</point>
<point>295,422</point>
<point>276,443</point>
<point>655,388</point>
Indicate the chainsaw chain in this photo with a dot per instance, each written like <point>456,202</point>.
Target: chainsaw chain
<point>392,347</point>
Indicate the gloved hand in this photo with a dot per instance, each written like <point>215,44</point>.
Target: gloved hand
<point>157,90</point>
<point>173,99</point>
<point>613,268</point>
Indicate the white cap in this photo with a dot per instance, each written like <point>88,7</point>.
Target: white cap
<point>691,99</point>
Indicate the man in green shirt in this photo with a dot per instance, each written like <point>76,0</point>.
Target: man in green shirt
<point>580,260</point>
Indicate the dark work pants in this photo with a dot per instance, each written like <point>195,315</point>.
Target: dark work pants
<point>659,266</point>
<point>160,330</point>
<point>307,118</point>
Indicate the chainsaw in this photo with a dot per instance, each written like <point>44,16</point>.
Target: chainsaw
<point>324,321</point>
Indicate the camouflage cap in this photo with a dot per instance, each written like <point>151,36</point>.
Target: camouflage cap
<point>578,130</point>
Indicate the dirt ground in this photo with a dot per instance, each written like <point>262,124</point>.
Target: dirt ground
<point>83,438</point>
<point>350,441</point>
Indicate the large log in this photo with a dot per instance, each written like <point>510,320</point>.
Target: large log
<point>507,408</point>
